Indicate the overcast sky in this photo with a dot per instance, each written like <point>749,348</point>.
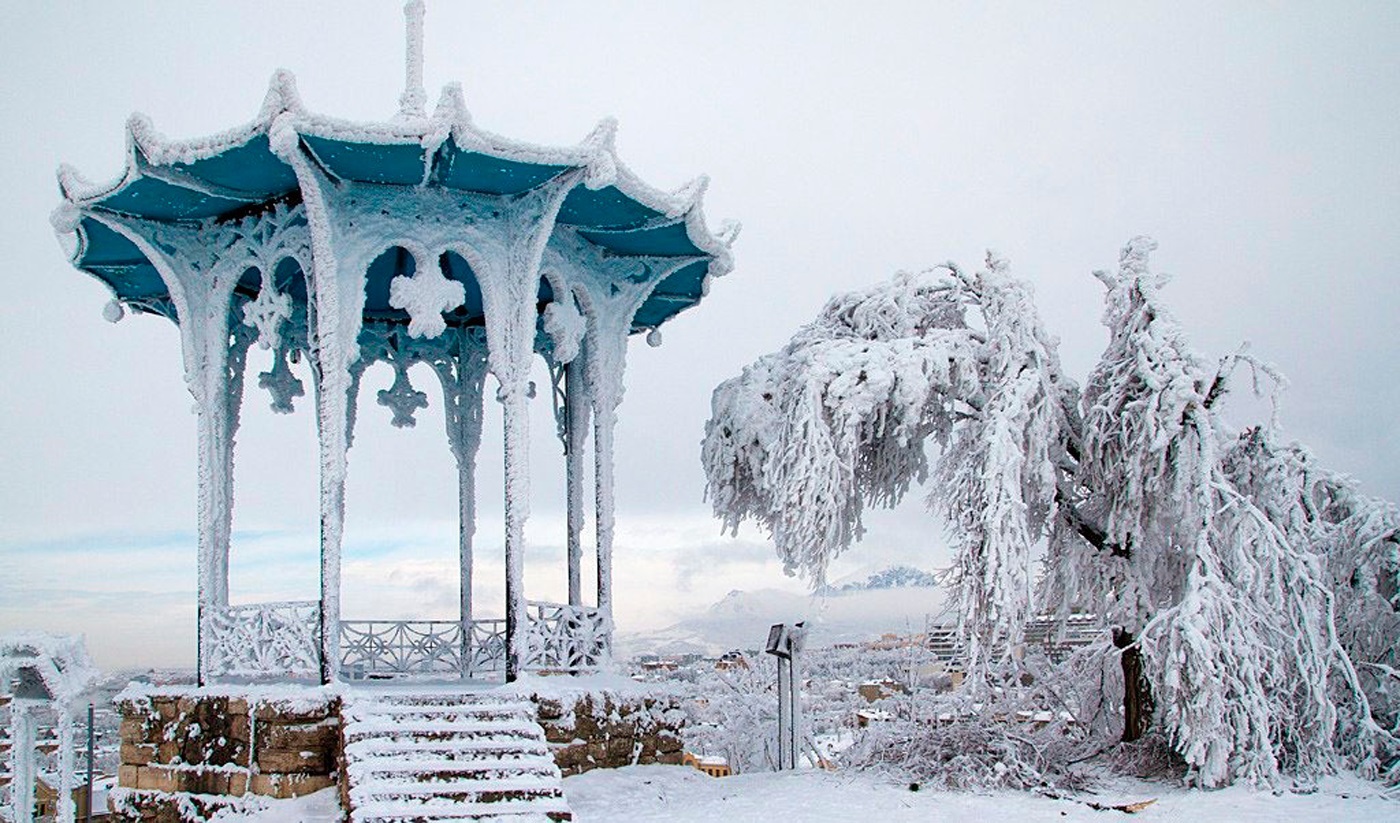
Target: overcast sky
<point>1258,143</point>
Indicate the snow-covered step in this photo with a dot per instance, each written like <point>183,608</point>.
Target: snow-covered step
<point>410,812</point>
<point>397,764</point>
<point>450,748</point>
<point>407,728</point>
<point>413,758</point>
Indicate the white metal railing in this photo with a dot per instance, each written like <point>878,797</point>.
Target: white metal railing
<point>487,649</point>
<point>395,647</point>
<point>558,638</point>
<point>564,638</point>
<point>265,640</point>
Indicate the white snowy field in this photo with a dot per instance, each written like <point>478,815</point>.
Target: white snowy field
<point>679,794</point>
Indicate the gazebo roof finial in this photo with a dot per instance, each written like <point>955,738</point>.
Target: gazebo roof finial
<point>414,101</point>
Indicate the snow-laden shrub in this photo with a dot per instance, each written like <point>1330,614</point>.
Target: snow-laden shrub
<point>1253,610</point>
<point>1026,732</point>
<point>733,713</point>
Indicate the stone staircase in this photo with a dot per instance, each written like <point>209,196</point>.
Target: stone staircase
<point>418,757</point>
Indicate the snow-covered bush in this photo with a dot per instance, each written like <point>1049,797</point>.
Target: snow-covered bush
<point>1242,589</point>
<point>733,713</point>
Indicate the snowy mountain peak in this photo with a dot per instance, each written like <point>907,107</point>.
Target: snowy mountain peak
<point>894,577</point>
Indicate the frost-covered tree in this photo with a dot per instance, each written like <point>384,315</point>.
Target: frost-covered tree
<point>1199,548</point>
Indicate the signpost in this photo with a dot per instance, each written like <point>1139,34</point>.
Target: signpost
<point>786,643</point>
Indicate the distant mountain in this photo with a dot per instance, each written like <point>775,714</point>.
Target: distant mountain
<point>899,599</point>
<point>895,577</point>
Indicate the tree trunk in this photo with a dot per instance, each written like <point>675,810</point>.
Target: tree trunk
<point>1137,693</point>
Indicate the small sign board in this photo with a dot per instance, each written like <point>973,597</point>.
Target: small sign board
<point>778,641</point>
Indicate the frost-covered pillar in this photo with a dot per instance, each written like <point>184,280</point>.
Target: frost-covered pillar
<point>22,756</point>
<point>340,256</point>
<point>509,293</point>
<point>576,411</point>
<point>66,810</point>
<point>200,265</point>
<point>611,290</point>
<point>463,376</point>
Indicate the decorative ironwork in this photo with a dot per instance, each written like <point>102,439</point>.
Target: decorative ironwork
<point>402,399</point>
<point>281,383</point>
<point>488,646</point>
<point>560,638</point>
<point>559,401</point>
<point>399,647</point>
<point>565,638</point>
<point>265,639</point>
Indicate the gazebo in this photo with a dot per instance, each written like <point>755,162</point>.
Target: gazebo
<point>424,239</point>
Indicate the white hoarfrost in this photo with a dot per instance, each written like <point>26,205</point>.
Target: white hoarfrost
<point>1207,554</point>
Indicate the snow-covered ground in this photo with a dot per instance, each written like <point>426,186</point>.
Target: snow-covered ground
<point>677,794</point>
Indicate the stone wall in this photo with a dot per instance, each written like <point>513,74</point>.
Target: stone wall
<point>607,730</point>
<point>198,750</point>
<point>187,753</point>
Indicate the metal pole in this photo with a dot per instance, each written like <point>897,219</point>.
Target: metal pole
<point>784,714</point>
<point>91,739</point>
<point>794,709</point>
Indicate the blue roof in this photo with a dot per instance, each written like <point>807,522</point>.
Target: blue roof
<point>228,177</point>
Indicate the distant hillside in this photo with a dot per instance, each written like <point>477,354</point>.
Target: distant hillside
<point>893,600</point>
<point>895,577</point>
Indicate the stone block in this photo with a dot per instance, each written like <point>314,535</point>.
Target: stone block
<point>619,752</point>
<point>159,779</point>
<point>281,712</point>
<point>239,728</point>
<point>297,761</point>
<point>548,709</point>
<point>318,736</point>
<point>168,751</point>
<point>670,758</point>
<point>167,708</point>
<point>237,706</point>
<point>137,754</point>
<point>133,730</point>
<point>597,754</point>
<point>238,784</point>
<point>126,776</point>
<point>283,786</point>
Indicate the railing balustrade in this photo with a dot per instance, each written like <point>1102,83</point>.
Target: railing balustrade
<point>268,640</point>
<point>262,640</point>
<point>399,647</point>
<point>564,638</point>
<point>558,638</point>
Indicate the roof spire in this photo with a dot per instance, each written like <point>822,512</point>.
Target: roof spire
<point>414,101</point>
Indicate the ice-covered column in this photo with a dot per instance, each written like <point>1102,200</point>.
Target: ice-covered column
<point>22,756</point>
<point>509,295</point>
<point>463,376</point>
<point>612,290</point>
<point>66,811</point>
<point>340,257</point>
<point>576,411</point>
<point>200,266</point>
